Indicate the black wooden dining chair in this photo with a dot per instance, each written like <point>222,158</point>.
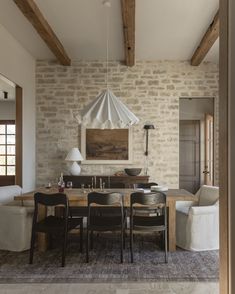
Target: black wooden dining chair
<point>101,216</point>
<point>148,213</point>
<point>146,185</point>
<point>54,225</point>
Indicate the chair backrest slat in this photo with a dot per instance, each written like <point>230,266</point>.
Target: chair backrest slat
<point>51,199</point>
<point>148,199</point>
<point>113,198</point>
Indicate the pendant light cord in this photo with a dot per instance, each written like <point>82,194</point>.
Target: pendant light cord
<point>107,6</point>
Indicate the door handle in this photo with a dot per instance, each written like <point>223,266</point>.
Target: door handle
<point>206,172</point>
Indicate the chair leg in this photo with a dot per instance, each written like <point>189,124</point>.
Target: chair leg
<point>131,245</point>
<point>81,236</point>
<point>87,245</point>
<point>33,237</point>
<point>122,243</point>
<point>166,251</point>
<point>124,239</point>
<point>92,240</point>
<point>64,248</point>
<point>50,237</point>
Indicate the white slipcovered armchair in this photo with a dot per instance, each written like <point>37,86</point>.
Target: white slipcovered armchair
<point>197,223</point>
<point>15,220</point>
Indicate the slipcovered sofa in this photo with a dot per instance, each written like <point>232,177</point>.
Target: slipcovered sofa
<point>197,223</point>
<point>15,220</point>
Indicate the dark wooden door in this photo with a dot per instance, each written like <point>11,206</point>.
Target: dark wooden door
<point>189,161</point>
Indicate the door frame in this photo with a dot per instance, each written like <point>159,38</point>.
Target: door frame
<point>202,132</point>
<point>227,145</point>
<point>19,135</point>
<point>206,157</point>
<point>19,129</point>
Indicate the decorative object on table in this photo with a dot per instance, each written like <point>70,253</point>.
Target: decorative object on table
<point>48,185</point>
<point>61,184</point>
<point>107,111</point>
<point>146,185</point>
<point>92,184</point>
<point>83,188</point>
<point>106,146</point>
<point>159,188</point>
<point>102,185</point>
<point>133,171</point>
<point>119,181</point>
<point>74,155</point>
<point>147,127</point>
<point>119,173</point>
<point>69,184</point>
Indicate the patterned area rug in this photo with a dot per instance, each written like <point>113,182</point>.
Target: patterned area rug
<point>105,264</point>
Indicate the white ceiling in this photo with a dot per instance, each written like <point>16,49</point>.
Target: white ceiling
<point>172,29</point>
<point>165,29</point>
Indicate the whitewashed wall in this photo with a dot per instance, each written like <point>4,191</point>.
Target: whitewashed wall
<point>150,89</point>
<point>7,110</point>
<point>19,66</point>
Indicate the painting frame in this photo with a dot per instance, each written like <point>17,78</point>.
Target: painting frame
<point>102,161</point>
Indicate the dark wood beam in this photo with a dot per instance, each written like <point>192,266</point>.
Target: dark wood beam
<point>128,17</point>
<point>207,41</point>
<point>35,16</point>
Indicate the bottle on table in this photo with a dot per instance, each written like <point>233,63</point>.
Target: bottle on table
<point>101,185</point>
<point>61,184</point>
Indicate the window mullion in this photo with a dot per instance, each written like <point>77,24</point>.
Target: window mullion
<point>6,149</point>
<point>9,155</point>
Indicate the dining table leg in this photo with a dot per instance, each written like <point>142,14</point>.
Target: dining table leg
<point>42,237</point>
<point>172,226</point>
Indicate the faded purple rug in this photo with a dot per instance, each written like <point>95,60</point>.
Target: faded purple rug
<point>105,264</point>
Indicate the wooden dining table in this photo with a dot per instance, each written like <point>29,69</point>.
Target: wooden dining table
<point>78,198</point>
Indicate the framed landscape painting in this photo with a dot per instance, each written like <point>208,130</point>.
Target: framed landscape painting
<point>108,146</point>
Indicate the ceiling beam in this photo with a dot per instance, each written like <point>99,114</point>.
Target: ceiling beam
<point>207,41</point>
<point>31,11</point>
<point>128,17</point>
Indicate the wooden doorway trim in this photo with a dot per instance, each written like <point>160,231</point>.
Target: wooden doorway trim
<point>224,146</point>
<point>209,150</point>
<point>19,134</point>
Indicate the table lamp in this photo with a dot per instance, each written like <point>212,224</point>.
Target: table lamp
<point>74,155</point>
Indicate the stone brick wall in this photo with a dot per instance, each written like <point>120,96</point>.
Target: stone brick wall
<point>150,89</point>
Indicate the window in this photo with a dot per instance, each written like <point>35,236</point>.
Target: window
<point>7,148</point>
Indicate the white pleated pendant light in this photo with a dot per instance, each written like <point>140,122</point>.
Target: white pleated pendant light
<point>107,111</point>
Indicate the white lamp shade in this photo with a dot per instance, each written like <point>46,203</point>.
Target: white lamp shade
<point>107,112</point>
<point>74,155</point>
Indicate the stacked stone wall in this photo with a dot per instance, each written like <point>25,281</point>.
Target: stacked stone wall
<point>150,89</point>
